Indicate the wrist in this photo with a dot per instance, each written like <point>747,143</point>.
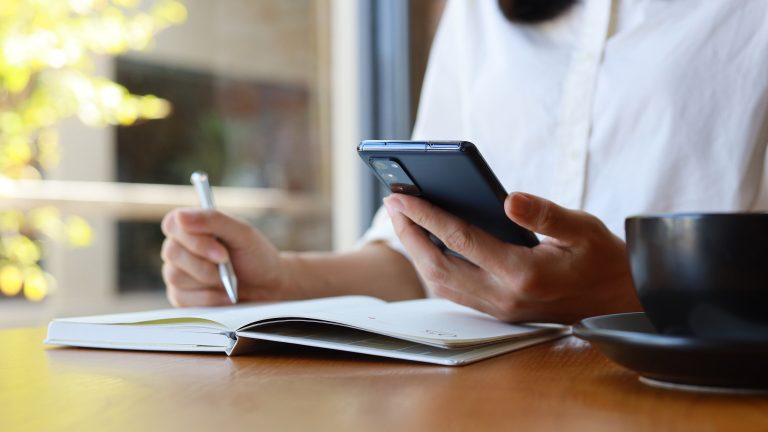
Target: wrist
<point>296,280</point>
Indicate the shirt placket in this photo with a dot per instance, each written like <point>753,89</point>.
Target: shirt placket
<point>575,118</point>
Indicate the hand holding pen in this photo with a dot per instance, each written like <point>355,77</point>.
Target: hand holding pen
<point>201,248</point>
<point>226,273</point>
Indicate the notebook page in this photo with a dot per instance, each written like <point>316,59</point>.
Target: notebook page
<point>229,317</point>
<point>436,321</point>
<point>345,339</point>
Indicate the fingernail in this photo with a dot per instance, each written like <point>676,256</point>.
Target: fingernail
<point>217,255</point>
<point>521,204</point>
<point>393,203</point>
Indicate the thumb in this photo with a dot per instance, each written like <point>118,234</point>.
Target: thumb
<point>545,217</point>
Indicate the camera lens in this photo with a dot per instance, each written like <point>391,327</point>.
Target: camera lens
<point>394,176</point>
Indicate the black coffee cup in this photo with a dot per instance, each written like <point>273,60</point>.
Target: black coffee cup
<point>703,275</point>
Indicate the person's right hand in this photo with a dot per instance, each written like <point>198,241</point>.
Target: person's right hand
<point>197,240</point>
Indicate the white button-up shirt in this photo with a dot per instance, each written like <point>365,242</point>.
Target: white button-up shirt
<point>617,107</point>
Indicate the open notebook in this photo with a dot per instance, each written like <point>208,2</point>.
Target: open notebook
<point>426,330</point>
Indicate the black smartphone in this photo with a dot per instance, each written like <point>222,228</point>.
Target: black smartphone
<point>449,174</point>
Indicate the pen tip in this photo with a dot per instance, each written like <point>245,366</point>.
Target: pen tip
<point>229,280</point>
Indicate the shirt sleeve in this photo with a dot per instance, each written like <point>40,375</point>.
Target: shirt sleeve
<point>439,115</point>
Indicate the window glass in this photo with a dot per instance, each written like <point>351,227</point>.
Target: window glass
<point>247,85</point>
<point>247,82</point>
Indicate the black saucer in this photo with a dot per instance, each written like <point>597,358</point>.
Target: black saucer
<point>630,340</point>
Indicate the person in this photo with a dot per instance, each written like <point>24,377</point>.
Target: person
<point>596,110</point>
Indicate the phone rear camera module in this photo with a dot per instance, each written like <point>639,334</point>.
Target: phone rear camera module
<point>408,189</point>
<point>394,176</point>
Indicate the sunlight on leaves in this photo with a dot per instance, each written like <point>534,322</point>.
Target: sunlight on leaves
<point>78,231</point>
<point>47,221</point>
<point>47,75</point>
<point>11,280</point>
<point>11,221</point>
<point>36,284</point>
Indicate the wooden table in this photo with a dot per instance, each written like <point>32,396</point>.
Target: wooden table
<point>558,386</point>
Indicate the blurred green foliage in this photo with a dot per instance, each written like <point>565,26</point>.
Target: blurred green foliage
<point>47,74</point>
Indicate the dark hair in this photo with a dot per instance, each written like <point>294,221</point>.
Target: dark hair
<point>533,11</point>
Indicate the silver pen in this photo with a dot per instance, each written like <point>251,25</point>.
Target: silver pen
<point>226,273</point>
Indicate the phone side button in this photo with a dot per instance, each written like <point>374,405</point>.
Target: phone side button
<point>443,146</point>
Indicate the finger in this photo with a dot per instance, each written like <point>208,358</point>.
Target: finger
<point>197,298</point>
<point>440,272</point>
<point>545,217</point>
<point>174,276</point>
<point>200,269</point>
<point>415,240</point>
<point>233,232</point>
<point>472,242</point>
<point>203,245</point>
<point>177,277</point>
<point>467,298</point>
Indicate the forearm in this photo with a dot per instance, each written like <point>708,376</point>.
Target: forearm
<point>375,270</point>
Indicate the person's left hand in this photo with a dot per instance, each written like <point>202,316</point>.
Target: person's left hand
<point>581,269</point>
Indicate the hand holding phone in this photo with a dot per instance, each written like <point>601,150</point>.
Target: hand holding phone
<point>449,174</point>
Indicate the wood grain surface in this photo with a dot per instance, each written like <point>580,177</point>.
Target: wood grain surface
<point>559,386</point>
